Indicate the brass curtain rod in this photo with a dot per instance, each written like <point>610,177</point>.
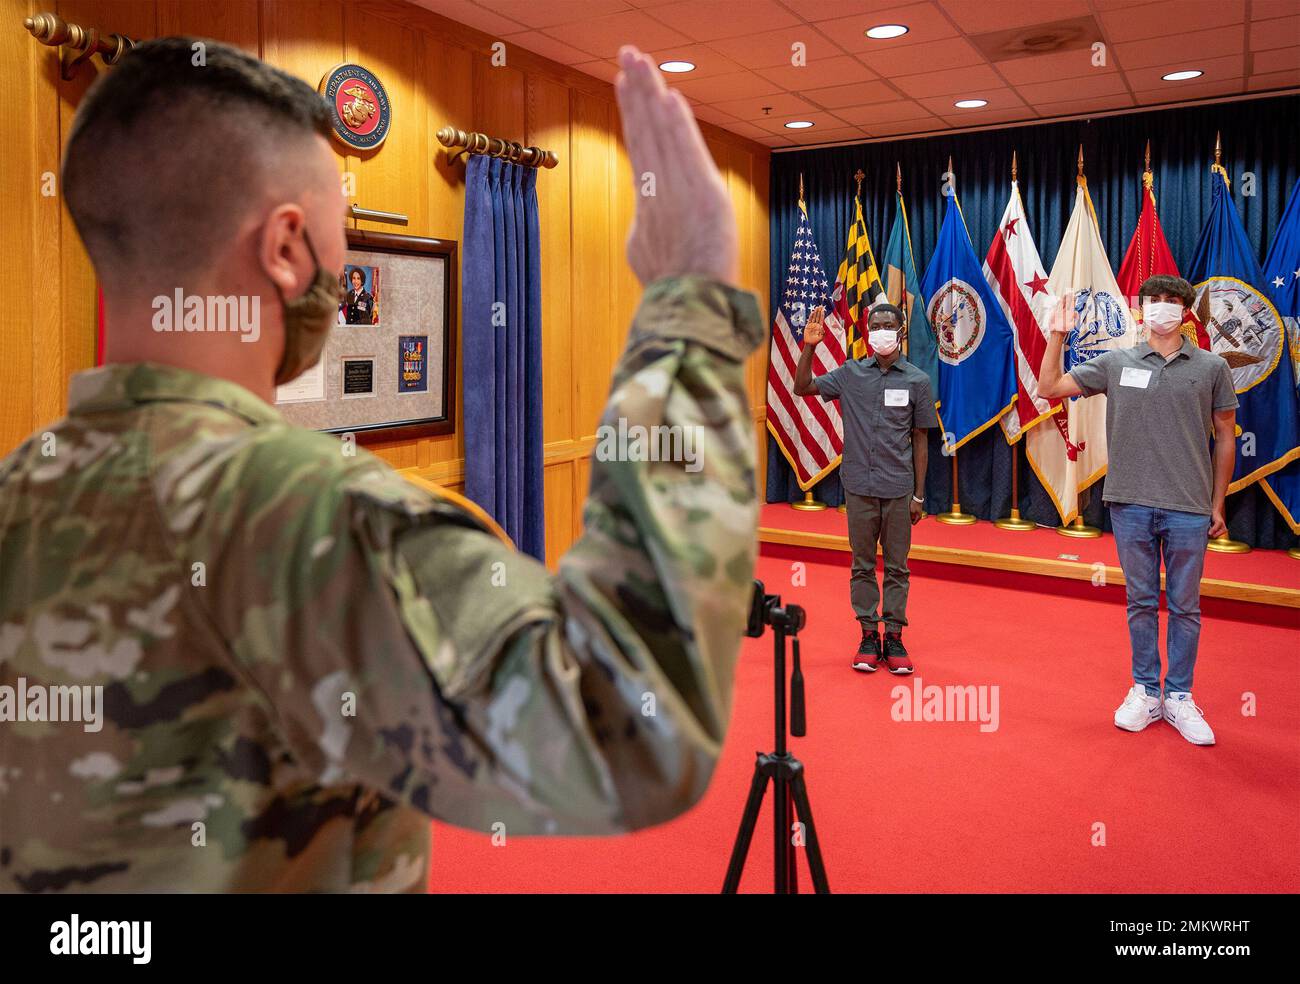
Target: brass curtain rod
<point>76,44</point>
<point>480,143</point>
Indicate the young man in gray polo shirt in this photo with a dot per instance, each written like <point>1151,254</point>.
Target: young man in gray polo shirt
<point>886,405</point>
<point>1165,488</point>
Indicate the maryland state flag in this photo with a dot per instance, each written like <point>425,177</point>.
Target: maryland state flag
<point>903,290</point>
<point>1246,329</point>
<point>977,380</point>
<point>1282,271</point>
<point>857,284</point>
<point>1149,256</point>
<point>1069,454</point>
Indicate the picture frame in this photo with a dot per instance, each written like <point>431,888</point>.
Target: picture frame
<point>386,370</point>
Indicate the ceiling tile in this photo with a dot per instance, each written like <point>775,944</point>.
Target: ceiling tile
<point>712,114</point>
<point>547,47</point>
<point>821,74</point>
<point>842,134</point>
<point>981,117</point>
<point>872,114</point>
<point>924,124</point>
<point>709,20</point>
<point>605,35</point>
<point>772,48</point>
<point>980,16</point>
<point>1230,67</point>
<point>1171,19</point>
<point>1000,99</point>
<point>785,105</point>
<point>601,68</point>
<point>1276,80</point>
<point>548,13</point>
<point>707,62</point>
<point>776,123</point>
<point>738,85</point>
<point>820,10</point>
<point>1264,9</point>
<point>1276,60</point>
<point>925,22</point>
<point>1189,90</point>
<point>945,82</point>
<point>1093,85</point>
<point>1198,46</point>
<point>915,58</point>
<point>473,16</point>
<point>1072,64</point>
<point>851,95</point>
<point>1096,104</point>
<point>1281,32</point>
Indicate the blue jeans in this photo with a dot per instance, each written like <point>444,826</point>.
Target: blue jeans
<point>1142,534</point>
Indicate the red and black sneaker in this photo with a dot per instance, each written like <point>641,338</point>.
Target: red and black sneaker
<point>868,658</point>
<point>896,654</point>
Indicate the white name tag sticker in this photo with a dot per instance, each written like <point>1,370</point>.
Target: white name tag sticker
<point>1135,377</point>
<point>896,397</point>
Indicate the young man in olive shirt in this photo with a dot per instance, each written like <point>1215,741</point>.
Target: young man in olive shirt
<point>887,406</point>
<point>1164,487</point>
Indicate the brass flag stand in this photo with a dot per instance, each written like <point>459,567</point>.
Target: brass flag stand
<point>1015,521</point>
<point>955,517</point>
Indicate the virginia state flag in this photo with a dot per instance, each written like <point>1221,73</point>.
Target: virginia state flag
<point>977,378</point>
<point>1282,271</point>
<point>903,289</point>
<point>1246,329</point>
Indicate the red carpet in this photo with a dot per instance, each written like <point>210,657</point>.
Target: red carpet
<point>941,806</point>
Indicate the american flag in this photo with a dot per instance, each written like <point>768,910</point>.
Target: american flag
<point>808,430</point>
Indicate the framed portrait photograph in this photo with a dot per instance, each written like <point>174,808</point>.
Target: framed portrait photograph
<point>386,368</point>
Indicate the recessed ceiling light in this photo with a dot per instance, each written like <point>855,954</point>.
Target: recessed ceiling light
<point>798,125</point>
<point>1191,73</point>
<point>677,66</point>
<point>970,103</point>
<point>883,32</point>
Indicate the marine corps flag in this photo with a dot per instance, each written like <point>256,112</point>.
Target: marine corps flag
<point>857,284</point>
<point>808,430</point>
<point>1015,273</point>
<point>902,289</point>
<point>1148,255</point>
<point>977,382</point>
<point>1069,453</point>
<point>1246,329</point>
<point>1282,271</point>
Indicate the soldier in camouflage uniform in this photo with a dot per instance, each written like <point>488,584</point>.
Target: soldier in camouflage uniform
<point>302,656</point>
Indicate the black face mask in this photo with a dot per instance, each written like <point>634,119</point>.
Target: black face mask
<point>307,321</point>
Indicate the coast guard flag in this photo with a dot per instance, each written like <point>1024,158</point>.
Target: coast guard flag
<point>977,381</point>
<point>1282,271</point>
<point>809,432</point>
<point>1015,273</point>
<point>1245,328</point>
<point>902,289</point>
<point>857,285</point>
<point>1069,454</point>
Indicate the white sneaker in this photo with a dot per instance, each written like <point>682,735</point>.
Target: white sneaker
<point>1184,715</point>
<point>1138,710</point>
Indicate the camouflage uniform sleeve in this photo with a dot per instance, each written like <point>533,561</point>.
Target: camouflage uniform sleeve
<point>486,690</point>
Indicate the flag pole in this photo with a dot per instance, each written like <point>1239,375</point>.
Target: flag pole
<point>808,503</point>
<point>954,516</point>
<point>1015,521</point>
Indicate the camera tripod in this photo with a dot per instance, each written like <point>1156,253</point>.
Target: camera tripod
<point>783,770</point>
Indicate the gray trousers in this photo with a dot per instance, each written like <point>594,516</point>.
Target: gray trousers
<point>889,523</point>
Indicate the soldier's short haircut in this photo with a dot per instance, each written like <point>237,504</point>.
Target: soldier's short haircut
<point>1162,283</point>
<point>172,146</point>
<point>888,309</point>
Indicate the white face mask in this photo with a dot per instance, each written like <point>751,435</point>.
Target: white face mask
<point>1162,317</point>
<point>883,340</point>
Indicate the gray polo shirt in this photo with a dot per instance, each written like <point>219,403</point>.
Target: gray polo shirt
<point>879,410</point>
<point>1159,423</point>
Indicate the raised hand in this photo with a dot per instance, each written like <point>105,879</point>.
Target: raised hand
<point>684,221</point>
<point>815,330</point>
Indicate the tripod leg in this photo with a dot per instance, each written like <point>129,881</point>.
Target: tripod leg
<point>815,866</point>
<point>746,832</point>
<point>792,855</point>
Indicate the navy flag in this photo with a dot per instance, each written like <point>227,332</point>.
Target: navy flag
<point>1246,329</point>
<point>1282,271</point>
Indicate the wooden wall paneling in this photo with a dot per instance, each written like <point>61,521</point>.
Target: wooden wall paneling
<point>303,37</point>
<point>232,21</point>
<point>560,520</point>
<point>21,167</point>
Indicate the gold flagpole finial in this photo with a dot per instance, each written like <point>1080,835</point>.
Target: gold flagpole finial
<point>1080,160</point>
<point>898,176</point>
<point>1218,150</point>
<point>801,186</point>
<point>950,163</point>
<point>1013,165</point>
<point>858,175</point>
<point>1147,162</point>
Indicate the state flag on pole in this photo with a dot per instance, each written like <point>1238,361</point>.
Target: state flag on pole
<point>1282,271</point>
<point>808,431</point>
<point>903,290</point>
<point>977,382</point>
<point>857,284</point>
<point>1069,454</point>
<point>1246,329</point>
<point>1148,255</point>
<point>1015,272</point>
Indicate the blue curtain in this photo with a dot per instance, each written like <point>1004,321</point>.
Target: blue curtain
<point>1258,137</point>
<point>501,338</point>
